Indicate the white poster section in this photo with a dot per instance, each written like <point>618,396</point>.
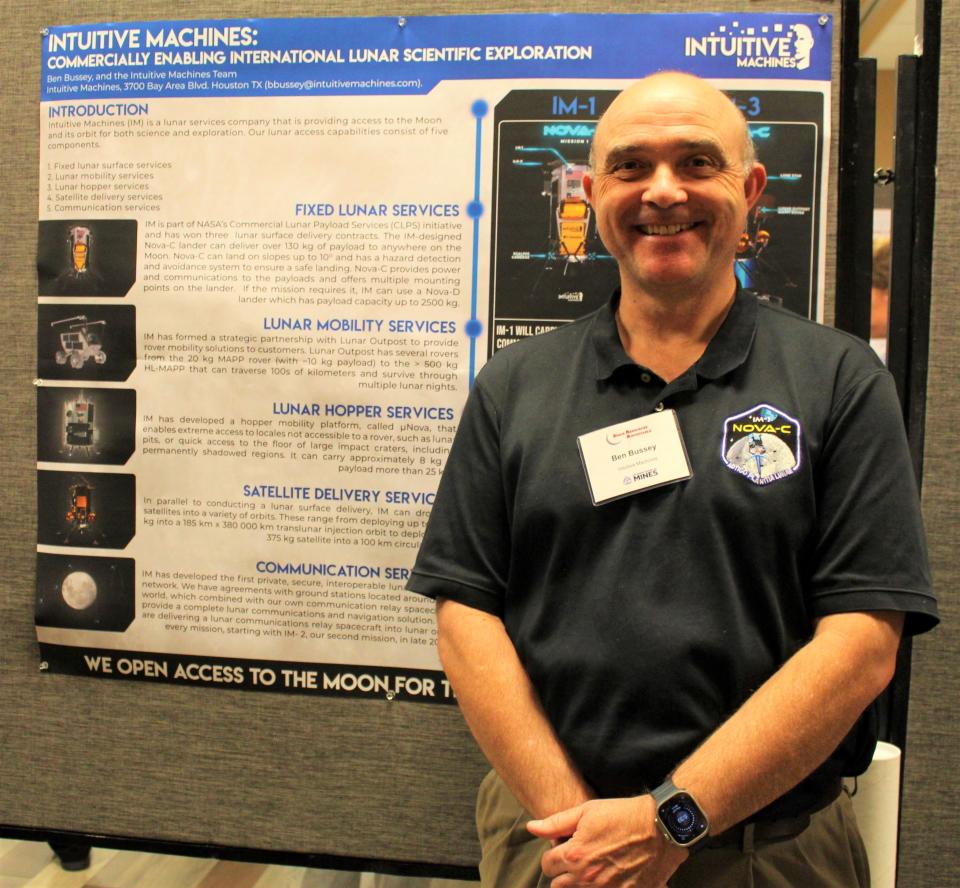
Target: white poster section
<point>273,255</point>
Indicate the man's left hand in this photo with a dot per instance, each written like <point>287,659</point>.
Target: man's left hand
<point>607,843</point>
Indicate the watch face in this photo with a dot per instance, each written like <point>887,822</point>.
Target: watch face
<point>682,818</point>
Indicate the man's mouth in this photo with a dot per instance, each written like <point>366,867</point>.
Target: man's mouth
<point>663,230</point>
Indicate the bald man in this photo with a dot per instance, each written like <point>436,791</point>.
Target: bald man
<point>667,584</point>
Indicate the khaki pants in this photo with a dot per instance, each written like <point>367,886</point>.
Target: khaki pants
<point>828,854</point>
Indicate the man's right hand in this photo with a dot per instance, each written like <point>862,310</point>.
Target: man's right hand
<point>607,843</point>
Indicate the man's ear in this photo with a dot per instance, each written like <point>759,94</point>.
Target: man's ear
<point>755,182</point>
<point>588,187</point>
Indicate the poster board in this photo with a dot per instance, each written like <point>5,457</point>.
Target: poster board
<point>360,779</point>
<point>261,308</point>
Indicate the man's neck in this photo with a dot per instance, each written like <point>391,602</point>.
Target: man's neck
<point>668,332</point>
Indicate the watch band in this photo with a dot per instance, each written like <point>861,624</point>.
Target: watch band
<point>664,791</point>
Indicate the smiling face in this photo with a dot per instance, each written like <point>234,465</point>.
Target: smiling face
<point>669,186</point>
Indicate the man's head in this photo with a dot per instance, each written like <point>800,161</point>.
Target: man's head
<point>673,176</point>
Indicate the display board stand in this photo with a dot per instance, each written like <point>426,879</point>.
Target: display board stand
<point>377,785</point>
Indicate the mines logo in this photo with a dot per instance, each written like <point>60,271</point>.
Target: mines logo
<point>762,444</point>
<point>767,46</point>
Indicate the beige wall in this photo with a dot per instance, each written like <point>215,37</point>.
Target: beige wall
<point>886,118</point>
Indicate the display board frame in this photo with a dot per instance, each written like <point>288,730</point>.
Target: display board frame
<point>352,784</point>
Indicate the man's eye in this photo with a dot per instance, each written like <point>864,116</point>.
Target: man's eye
<point>626,166</point>
<point>702,162</point>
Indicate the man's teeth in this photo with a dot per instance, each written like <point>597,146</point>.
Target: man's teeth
<point>665,229</point>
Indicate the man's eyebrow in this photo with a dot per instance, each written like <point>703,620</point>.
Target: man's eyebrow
<point>634,149</point>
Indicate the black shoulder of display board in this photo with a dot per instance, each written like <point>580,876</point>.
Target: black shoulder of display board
<point>245,855</point>
<point>858,93</point>
<point>922,260</point>
<point>903,227</point>
<point>918,81</point>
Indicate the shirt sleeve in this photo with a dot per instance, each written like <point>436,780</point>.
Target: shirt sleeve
<point>870,547</point>
<point>465,552</point>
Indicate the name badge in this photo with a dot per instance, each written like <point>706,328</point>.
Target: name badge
<point>632,456</point>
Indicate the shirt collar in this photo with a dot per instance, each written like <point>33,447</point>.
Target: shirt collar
<point>727,350</point>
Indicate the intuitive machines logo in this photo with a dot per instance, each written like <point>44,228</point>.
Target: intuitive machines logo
<point>768,46</point>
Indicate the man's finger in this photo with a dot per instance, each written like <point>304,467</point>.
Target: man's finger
<point>561,825</point>
<point>554,867</point>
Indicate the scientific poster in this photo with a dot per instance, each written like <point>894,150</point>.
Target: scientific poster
<point>273,255</point>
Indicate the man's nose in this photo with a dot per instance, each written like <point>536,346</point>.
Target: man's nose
<point>664,187</point>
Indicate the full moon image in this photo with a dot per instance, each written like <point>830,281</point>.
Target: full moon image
<point>79,590</point>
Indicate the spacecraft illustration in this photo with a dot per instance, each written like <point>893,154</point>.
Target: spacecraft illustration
<point>754,265</point>
<point>79,275</point>
<point>81,515</point>
<point>85,509</point>
<point>86,257</point>
<point>79,240</point>
<point>79,430</point>
<point>80,342</point>
<point>570,224</point>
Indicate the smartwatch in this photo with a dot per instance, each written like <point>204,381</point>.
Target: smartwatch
<point>679,816</point>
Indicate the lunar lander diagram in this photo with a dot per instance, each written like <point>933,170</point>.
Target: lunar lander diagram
<point>548,266</point>
<point>569,232</point>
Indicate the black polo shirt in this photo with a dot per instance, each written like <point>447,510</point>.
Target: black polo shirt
<point>644,623</point>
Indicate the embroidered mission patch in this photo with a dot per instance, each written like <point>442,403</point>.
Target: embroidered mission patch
<point>762,444</point>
